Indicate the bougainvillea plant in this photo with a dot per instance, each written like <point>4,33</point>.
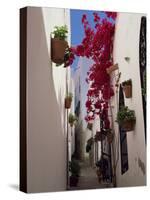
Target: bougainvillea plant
<point>97,45</point>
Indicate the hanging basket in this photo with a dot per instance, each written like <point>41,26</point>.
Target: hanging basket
<point>127,91</point>
<point>71,124</point>
<point>67,103</point>
<point>110,137</point>
<point>88,148</point>
<point>128,125</point>
<point>89,144</point>
<point>112,68</point>
<point>100,136</point>
<point>58,48</point>
<point>90,126</point>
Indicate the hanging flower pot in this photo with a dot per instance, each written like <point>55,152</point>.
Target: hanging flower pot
<point>127,88</point>
<point>100,136</point>
<point>59,44</point>
<point>112,68</point>
<point>89,126</point>
<point>126,118</point>
<point>72,119</point>
<point>110,137</point>
<point>128,125</point>
<point>68,100</point>
<point>89,144</point>
<point>58,48</point>
<point>71,124</point>
<point>67,103</point>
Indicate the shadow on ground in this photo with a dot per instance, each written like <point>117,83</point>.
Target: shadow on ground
<point>14,186</point>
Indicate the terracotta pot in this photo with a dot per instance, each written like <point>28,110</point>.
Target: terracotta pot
<point>112,68</point>
<point>67,103</point>
<point>58,48</point>
<point>98,172</point>
<point>71,124</point>
<point>127,91</point>
<point>99,136</point>
<point>110,137</point>
<point>73,181</point>
<point>128,125</point>
<point>90,126</point>
<point>99,175</point>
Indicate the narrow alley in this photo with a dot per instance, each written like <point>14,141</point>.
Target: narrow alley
<point>88,178</point>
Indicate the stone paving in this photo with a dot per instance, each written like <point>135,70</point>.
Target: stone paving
<point>88,179</point>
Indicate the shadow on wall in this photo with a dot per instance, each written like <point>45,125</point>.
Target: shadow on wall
<point>46,144</point>
<point>62,110</point>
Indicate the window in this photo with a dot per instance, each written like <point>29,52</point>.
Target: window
<point>142,64</point>
<point>123,138</point>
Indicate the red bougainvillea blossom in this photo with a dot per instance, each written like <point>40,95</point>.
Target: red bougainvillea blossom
<point>97,45</point>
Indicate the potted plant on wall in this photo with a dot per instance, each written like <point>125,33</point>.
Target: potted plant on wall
<point>100,135</point>
<point>89,144</point>
<point>110,136</point>
<point>89,126</point>
<point>126,118</point>
<point>112,68</point>
<point>127,88</point>
<point>72,119</point>
<point>68,100</point>
<point>74,168</point>
<point>59,44</point>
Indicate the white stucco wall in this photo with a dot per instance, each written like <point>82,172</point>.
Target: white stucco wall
<point>126,44</point>
<point>46,115</point>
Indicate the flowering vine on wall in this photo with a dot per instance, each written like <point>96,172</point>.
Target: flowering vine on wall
<point>98,46</point>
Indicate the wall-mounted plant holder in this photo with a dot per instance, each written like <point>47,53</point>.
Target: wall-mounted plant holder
<point>126,118</point>
<point>59,44</point>
<point>72,119</point>
<point>112,68</point>
<point>128,125</point>
<point>110,136</point>
<point>127,59</point>
<point>89,144</point>
<point>67,103</point>
<point>89,126</point>
<point>127,88</point>
<point>100,136</point>
<point>68,100</point>
<point>58,48</point>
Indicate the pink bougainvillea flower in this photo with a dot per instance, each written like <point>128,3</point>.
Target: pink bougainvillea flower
<point>84,18</point>
<point>97,44</point>
<point>96,17</point>
<point>113,15</point>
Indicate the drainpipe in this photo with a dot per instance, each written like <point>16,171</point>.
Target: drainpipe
<point>67,138</point>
